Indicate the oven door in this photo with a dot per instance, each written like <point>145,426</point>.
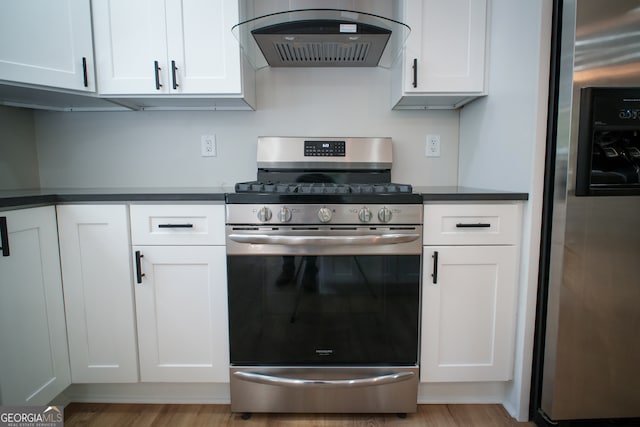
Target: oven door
<point>335,296</point>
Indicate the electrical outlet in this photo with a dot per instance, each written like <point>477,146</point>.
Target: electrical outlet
<point>432,146</point>
<point>208,146</point>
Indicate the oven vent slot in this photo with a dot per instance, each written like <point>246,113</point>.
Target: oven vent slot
<point>343,228</point>
<point>402,228</point>
<point>305,228</point>
<point>245,228</point>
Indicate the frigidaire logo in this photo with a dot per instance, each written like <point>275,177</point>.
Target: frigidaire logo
<point>31,416</point>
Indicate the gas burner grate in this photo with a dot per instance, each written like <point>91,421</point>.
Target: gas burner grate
<point>321,188</point>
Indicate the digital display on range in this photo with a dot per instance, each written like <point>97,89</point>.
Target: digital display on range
<point>324,149</point>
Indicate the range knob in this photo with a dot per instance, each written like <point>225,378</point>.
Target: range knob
<point>284,215</point>
<point>364,214</point>
<point>324,215</point>
<point>384,214</point>
<point>264,214</point>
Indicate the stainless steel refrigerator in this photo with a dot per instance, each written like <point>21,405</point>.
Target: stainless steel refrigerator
<point>587,349</point>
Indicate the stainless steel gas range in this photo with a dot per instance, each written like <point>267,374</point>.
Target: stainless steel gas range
<point>323,262</point>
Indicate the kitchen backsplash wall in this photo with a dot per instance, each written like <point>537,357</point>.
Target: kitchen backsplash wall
<point>18,155</point>
<point>162,148</point>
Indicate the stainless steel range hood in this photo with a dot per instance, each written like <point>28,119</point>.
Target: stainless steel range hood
<point>321,38</point>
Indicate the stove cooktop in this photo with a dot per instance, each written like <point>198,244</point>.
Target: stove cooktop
<point>321,188</point>
<point>317,192</point>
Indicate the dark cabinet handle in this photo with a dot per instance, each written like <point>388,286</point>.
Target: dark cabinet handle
<point>139,273</point>
<point>173,74</point>
<point>4,236</point>
<point>435,267</point>
<point>175,225</point>
<point>157,69</point>
<point>415,72</point>
<point>84,72</point>
<point>477,225</point>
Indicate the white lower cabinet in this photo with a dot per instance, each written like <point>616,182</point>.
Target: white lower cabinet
<point>34,365</point>
<point>181,293</point>
<point>98,292</point>
<point>468,313</point>
<point>469,292</point>
<point>181,308</point>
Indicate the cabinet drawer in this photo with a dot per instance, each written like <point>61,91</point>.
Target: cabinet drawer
<point>177,224</point>
<point>472,224</point>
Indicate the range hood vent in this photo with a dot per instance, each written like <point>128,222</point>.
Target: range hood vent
<point>321,38</point>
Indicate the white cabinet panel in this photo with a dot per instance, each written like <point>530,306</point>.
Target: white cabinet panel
<point>33,350</point>
<point>472,224</point>
<point>182,314</point>
<point>443,65</point>
<point>468,314</point>
<point>177,224</point>
<point>96,270</point>
<point>200,43</point>
<point>129,36</point>
<point>469,291</point>
<point>47,43</point>
<point>150,47</point>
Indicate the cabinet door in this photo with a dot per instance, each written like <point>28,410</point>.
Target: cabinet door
<point>201,46</point>
<point>468,315</point>
<point>447,42</point>
<point>181,307</point>
<point>98,293</point>
<point>47,43</point>
<point>130,36</point>
<point>33,339</point>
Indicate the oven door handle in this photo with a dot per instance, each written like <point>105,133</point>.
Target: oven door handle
<point>391,378</point>
<point>372,239</point>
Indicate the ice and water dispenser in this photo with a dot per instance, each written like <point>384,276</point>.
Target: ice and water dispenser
<point>608,161</point>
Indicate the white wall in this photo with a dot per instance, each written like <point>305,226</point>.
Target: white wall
<point>502,142</point>
<point>18,156</point>
<point>161,148</point>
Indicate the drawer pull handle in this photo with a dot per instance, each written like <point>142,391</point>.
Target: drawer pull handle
<point>478,225</point>
<point>4,236</point>
<point>175,225</point>
<point>435,267</point>
<point>139,273</point>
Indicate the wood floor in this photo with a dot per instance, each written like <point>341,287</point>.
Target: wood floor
<point>141,415</point>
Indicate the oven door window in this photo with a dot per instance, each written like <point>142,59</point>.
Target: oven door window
<point>327,310</point>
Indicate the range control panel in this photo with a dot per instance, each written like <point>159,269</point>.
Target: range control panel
<point>324,149</point>
<point>309,214</point>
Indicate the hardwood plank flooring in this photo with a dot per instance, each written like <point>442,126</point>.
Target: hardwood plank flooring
<point>183,415</point>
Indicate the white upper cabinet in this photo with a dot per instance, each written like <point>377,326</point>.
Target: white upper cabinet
<point>47,43</point>
<point>152,47</point>
<point>443,65</point>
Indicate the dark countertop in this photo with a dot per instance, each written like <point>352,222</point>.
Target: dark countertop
<point>21,198</point>
<point>454,193</point>
<point>46,196</point>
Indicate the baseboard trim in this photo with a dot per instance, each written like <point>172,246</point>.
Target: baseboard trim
<point>452,393</point>
<point>219,393</point>
<point>196,393</point>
